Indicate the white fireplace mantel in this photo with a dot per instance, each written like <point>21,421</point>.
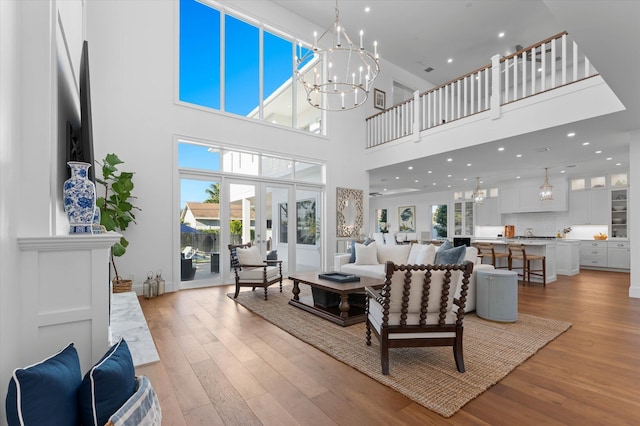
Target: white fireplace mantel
<point>65,295</point>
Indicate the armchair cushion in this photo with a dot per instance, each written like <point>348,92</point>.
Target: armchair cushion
<point>249,256</point>
<point>366,254</point>
<point>437,279</point>
<point>257,274</point>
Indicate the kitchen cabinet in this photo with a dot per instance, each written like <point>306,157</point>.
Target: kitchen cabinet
<point>568,257</point>
<point>589,207</point>
<point>619,213</point>
<point>619,254</point>
<point>463,218</point>
<point>594,254</point>
<point>487,213</point>
<point>525,198</point>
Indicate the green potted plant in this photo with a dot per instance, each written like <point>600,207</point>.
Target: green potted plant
<point>116,210</point>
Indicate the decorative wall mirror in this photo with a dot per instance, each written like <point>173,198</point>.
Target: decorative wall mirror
<point>349,211</point>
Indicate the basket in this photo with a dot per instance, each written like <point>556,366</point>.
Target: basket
<point>121,286</point>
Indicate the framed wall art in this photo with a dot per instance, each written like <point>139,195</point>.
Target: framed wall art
<point>379,99</point>
<point>407,219</point>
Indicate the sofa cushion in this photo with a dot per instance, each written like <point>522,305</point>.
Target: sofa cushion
<point>366,254</point>
<point>426,256</point>
<point>452,256</point>
<point>45,393</point>
<point>352,250</point>
<point>445,246</point>
<point>413,254</point>
<point>395,253</point>
<point>371,271</point>
<point>107,385</point>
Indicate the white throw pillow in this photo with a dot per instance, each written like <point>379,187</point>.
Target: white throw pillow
<point>427,255</point>
<point>413,254</point>
<point>249,256</point>
<point>398,254</point>
<point>366,255</point>
<point>389,238</point>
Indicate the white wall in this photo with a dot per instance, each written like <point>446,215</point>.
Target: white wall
<point>10,131</point>
<point>634,206</point>
<point>133,81</point>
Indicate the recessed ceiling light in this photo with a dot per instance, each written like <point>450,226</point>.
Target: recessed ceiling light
<point>434,184</point>
<point>598,152</point>
<point>501,148</point>
<point>561,171</point>
<point>465,179</point>
<point>517,177</point>
<point>397,177</point>
<point>609,158</point>
<point>367,9</point>
<point>539,69</point>
<point>449,159</point>
<point>448,186</point>
<point>501,34</point>
<point>570,135</point>
<point>416,181</point>
<point>585,143</point>
<point>618,164</point>
<point>448,175</point>
<point>385,189</point>
<point>429,171</point>
<point>410,167</point>
<point>468,164</point>
<point>450,60</point>
<point>518,155</point>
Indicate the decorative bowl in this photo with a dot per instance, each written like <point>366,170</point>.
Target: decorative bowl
<point>599,237</point>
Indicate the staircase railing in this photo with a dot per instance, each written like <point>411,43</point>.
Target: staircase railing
<point>543,66</point>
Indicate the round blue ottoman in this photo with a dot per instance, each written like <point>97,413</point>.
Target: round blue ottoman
<point>497,295</point>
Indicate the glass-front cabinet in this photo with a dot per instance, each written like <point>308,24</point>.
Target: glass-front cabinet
<point>463,218</point>
<point>619,213</point>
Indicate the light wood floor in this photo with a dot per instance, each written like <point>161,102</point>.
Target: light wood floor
<point>221,364</point>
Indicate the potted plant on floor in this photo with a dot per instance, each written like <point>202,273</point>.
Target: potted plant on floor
<point>116,211</point>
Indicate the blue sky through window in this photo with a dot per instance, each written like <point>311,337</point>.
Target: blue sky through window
<point>242,77</point>
<point>199,54</point>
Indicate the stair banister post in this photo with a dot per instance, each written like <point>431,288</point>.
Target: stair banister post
<point>495,86</point>
<point>417,112</point>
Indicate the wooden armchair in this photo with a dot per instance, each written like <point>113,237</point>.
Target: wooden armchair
<point>251,270</point>
<point>416,308</point>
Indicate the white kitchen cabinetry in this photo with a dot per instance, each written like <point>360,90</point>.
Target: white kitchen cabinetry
<point>593,253</point>
<point>619,213</point>
<point>619,254</point>
<point>487,213</point>
<point>525,198</point>
<point>568,257</point>
<point>589,207</point>
<point>463,218</point>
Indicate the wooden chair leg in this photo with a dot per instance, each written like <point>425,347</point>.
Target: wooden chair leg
<point>265,292</point>
<point>280,283</point>
<point>544,271</point>
<point>368,333</point>
<point>384,355</point>
<point>457,352</point>
<point>235,296</point>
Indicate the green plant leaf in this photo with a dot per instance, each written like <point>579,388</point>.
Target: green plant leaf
<point>112,159</point>
<point>118,250</point>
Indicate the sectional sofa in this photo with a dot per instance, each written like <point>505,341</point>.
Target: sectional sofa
<point>369,261</point>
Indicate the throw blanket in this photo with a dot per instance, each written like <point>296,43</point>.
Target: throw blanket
<point>143,408</point>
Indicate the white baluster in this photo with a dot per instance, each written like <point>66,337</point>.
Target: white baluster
<point>543,73</point>
<point>524,74</point>
<point>564,59</point>
<point>553,63</point>
<point>533,71</point>
<point>515,77</point>
<point>575,61</point>
<point>506,80</point>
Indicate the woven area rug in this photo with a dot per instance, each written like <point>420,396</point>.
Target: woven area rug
<point>426,375</point>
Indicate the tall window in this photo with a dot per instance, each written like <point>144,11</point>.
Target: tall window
<point>204,47</point>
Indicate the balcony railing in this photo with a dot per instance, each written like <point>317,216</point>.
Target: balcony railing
<point>544,66</point>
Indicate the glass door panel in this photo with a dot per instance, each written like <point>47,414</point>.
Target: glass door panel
<point>307,219</point>
<point>199,233</point>
<point>276,226</point>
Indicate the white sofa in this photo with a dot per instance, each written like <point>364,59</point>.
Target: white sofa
<point>406,254</point>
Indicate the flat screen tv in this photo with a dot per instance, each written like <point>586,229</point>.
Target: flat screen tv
<point>80,141</point>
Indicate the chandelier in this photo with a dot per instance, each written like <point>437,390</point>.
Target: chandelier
<point>477,194</point>
<point>546,190</point>
<point>348,73</point>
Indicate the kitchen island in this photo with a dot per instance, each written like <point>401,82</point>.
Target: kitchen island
<point>544,247</point>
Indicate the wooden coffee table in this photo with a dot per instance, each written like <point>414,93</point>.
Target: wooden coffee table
<point>344,314</point>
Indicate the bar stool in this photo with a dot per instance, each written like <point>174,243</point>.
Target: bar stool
<point>487,249</point>
<point>517,252</point>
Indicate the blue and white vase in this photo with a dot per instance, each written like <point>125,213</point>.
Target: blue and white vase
<point>80,199</point>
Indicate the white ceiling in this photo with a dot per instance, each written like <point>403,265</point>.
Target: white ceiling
<point>416,34</point>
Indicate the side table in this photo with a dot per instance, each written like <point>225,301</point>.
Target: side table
<point>497,295</point>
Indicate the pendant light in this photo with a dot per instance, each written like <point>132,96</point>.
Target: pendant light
<point>477,195</point>
<point>546,189</point>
